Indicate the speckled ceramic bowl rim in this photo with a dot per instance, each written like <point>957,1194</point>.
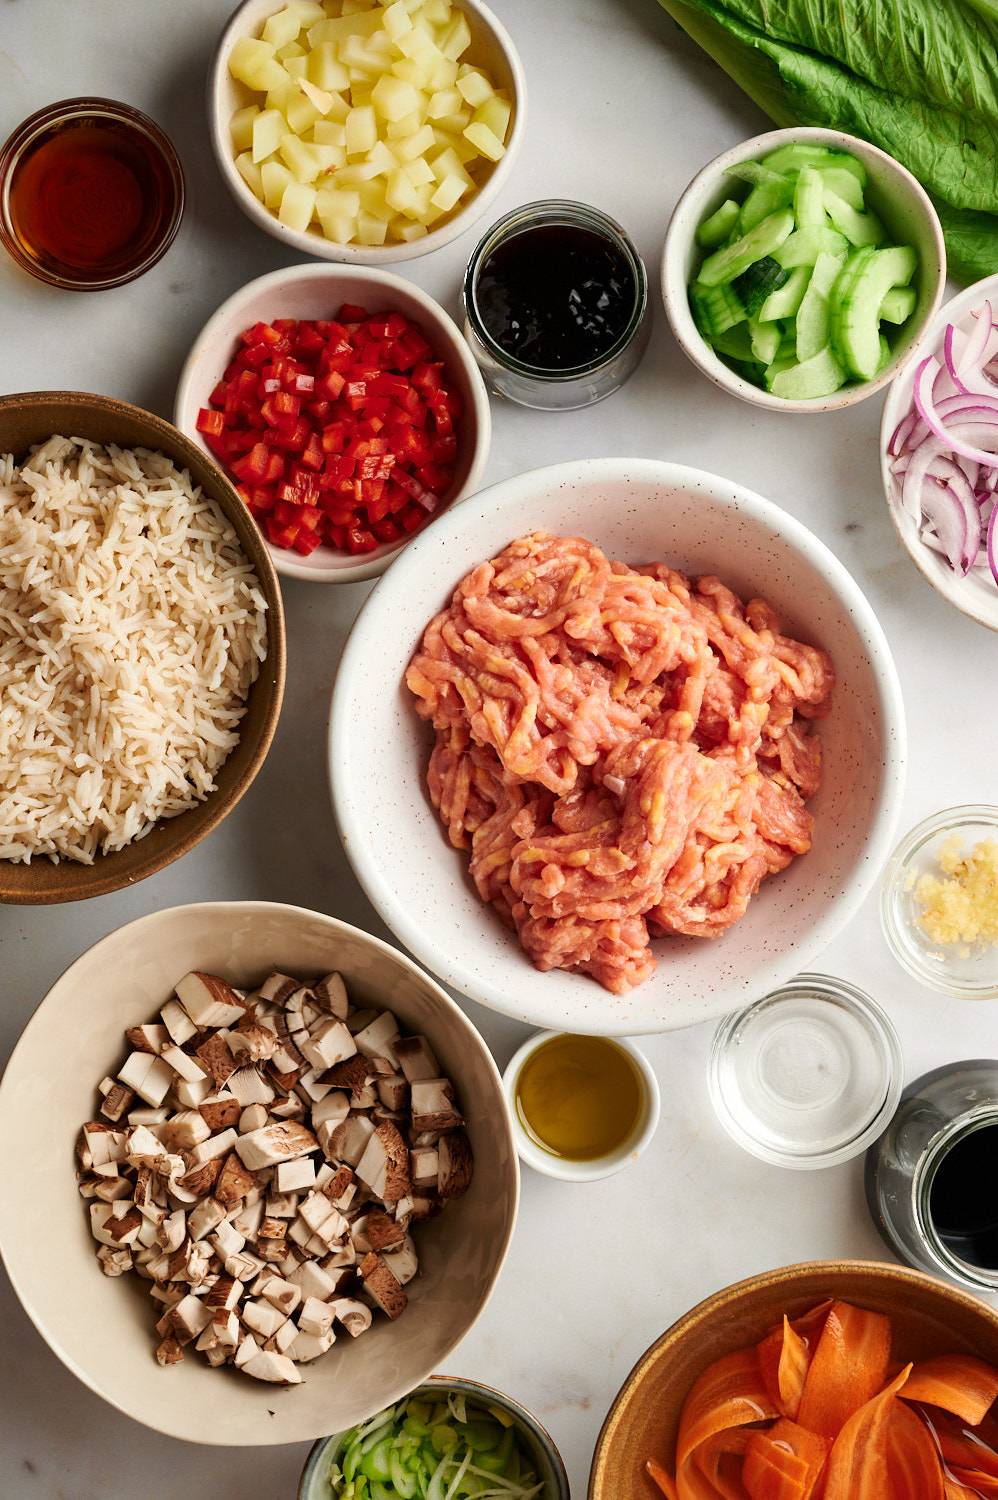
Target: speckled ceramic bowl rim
<point>729,1296</point>
<point>440,325</point>
<point>932,567</point>
<point>361,255</point>
<point>681,229</point>
<point>474,1388</point>
<point>598,1167</point>
<point>506,495</point>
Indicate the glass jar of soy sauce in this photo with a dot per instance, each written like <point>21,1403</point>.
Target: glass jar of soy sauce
<point>932,1178</point>
<point>555,298</point>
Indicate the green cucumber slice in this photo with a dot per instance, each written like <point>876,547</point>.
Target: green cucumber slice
<point>886,354</point>
<point>812,327</point>
<point>858,228</point>
<point>766,237</point>
<point>804,246</point>
<point>715,229</point>
<point>735,343</point>
<point>810,379</point>
<point>715,309</point>
<point>753,172</point>
<point>809,198</point>
<point>766,340</point>
<point>898,304</point>
<point>840,180</point>
<point>792,158</point>
<point>755,284</point>
<point>856,327</point>
<point>784,302</point>
<point>766,198</point>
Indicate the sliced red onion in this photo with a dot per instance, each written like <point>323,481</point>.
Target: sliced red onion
<point>957,527</point>
<point>993,544</point>
<point>899,437</point>
<point>951,434</point>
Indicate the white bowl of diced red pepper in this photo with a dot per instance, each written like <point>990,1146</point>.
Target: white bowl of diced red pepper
<point>346,409</point>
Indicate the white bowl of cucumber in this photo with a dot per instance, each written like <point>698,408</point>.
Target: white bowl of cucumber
<point>800,269</point>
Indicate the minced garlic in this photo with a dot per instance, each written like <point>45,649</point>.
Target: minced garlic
<point>962,907</point>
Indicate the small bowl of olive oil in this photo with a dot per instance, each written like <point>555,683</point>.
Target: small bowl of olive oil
<point>583,1107</point>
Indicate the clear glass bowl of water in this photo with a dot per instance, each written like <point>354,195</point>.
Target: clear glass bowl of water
<point>808,1076</point>
<point>966,971</point>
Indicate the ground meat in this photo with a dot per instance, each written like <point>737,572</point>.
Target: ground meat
<point>622,752</point>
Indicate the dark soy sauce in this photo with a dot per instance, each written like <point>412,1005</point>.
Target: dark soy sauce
<point>963,1200</point>
<point>556,297</point>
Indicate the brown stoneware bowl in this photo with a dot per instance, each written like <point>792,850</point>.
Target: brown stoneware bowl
<point>927,1317</point>
<point>30,418</point>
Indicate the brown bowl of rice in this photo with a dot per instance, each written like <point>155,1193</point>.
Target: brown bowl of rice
<point>142,650</point>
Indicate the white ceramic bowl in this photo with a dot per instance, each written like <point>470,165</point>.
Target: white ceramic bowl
<point>316,291</point>
<point>893,193</point>
<point>102,1329</point>
<point>977,594</point>
<point>491,48</point>
<point>604,1166</point>
<point>637,510</point>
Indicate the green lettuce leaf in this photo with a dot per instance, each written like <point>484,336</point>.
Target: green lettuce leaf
<point>919,78</point>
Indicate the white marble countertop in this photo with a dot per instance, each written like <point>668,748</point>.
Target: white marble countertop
<point>623,110</point>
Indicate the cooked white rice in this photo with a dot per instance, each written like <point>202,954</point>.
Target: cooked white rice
<point>131,629</point>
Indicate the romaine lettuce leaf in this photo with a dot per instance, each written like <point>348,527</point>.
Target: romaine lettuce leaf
<point>919,78</point>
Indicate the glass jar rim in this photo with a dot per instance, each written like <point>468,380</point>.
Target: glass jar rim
<point>938,1149</point>
<point>83,107</point>
<point>544,211</point>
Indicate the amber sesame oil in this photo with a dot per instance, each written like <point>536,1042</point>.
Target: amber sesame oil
<point>579,1097</point>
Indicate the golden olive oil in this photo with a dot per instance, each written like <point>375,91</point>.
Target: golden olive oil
<point>579,1097</point>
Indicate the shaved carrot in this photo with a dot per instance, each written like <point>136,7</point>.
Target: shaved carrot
<point>772,1472</point>
<point>958,1383</point>
<point>961,1447</point>
<point>857,1464</point>
<point>848,1369</point>
<point>809,1446</point>
<point>913,1462</point>
<point>719,1460</point>
<point>784,1356</point>
<point>665,1481</point>
<point>729,1393</point>
<point>983,1485</point>
<point>954,1490</point>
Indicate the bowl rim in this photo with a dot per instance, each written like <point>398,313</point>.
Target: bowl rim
<point>443,327</point>
<point>932,567</point>
<point>778,1275</point>
<point>101,879</point>
<point>505,495</point>
<point>37,1316</point>
<point>673,278</point>
<point>359,255</point>
<point>592,1169</point>
<point>478,1390</point>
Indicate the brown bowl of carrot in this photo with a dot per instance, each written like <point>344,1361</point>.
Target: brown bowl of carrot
<point>835,1380</point>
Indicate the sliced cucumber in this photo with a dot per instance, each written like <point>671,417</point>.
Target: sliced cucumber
<point>784,302</point>
<point>856,319</point>
<point>898,304</point>
<point>766,198</point>
<point>809,196</point>
<point>886,353</point>
<point>766,340</point>
<point>810,379</point>
<point>715,230</point>
<point>858,228</point>
<point>756,283</point>
<point>839,179</point>
<point>715,309</point>
<point>735,343</point>
<point>804,246</point>
<point>753,172</point>
<point>768,235</point>
<point>812,327</point>
<point>792,158</point>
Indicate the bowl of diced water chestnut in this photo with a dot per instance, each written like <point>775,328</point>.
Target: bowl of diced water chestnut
<point>346,409</point>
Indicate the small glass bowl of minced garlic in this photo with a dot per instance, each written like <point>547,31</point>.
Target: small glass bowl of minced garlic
<point>939,902</point>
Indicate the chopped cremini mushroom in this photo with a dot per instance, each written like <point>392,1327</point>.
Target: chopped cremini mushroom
<point>259,1161</point>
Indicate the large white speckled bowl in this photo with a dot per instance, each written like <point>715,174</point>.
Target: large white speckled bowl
<point>102,1329</point>
<point>638,510</point>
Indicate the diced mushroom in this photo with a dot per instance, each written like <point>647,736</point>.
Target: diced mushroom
<point>312,1281</point>
<point>148,1076</point>
<point>284,1295</point>
<point>331,995</point>
<point>215,1056</point>
<point>278,1369</point>
<point>187,1129</point>
<point>248,1347</point>
<point>227,1240</point>
<point>183,1064</point>
<point>308,1346</point>
<point>215,1145</point>
<point>249,1219</point>
<point>250,1087</point>
<point>293,1176</point>
<point>424,1165</point>
<point>224,1296</point>
<point>151,1038</point>
<point>290,1108</point>
<point>263,1317</point>
<point>403,1262</point>
<point>277,989</point>
<point>282,1141</point>
<point>169,1352</point>
<point>143,1147</point>
<point>251,1042</point>
<point>347,1141</point>
<point>416,1058</point>
<point>114,1262</point>
<point>117,1101</point>
<point>253,1117</point>
<point>393,1091</point>
<point>209,1001</point>
<point>354,1075</point>
<point>191,1095</point>
<point>379,1037</point>
<point>199,1181</point>
<point>315,1317</point>
<point>355,1317</point>
<point>189,1318</point>
<point>331,1043</point>
<point>178,1023</point>
<point>456,1164</point>
<point>382,1286</point>
<point>204,1217</point>
<point>384,1166</point>
<point>340,1189</point>
<point>234,1182</point>
<point>283,1339</point>
<point>170,1235</point>
<point>433,1106</point>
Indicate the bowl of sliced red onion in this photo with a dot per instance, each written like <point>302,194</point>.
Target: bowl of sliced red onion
<point>939,452</point>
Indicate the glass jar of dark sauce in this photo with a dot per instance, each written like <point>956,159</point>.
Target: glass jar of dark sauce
<point>555,298</point>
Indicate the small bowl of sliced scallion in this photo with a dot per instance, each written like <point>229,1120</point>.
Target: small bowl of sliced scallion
<point>800,269</point>
<point>448,1440</point>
